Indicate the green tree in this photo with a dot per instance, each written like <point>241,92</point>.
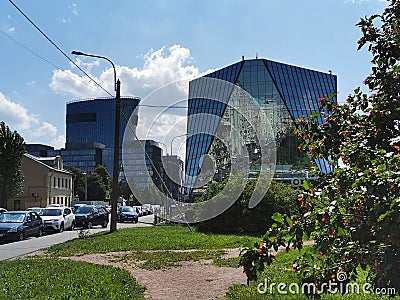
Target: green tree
<point>12,149</point>
<point>124,190</point>
<point>79,182</point>
<point>353,212</point>
<point>105,176</point>
<point>96,189</point>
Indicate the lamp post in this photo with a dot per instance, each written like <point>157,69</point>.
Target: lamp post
<point>85,174</point>
<point>114,192</point>
<point>186,134</point>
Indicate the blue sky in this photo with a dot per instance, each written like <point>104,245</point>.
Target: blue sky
<point>156,42</point>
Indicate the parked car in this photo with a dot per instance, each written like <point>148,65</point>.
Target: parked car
<point>35,209</point>
<point>148,207</point>
<point>2,210</point>
<point>55,205</point>
<point>17,225</point>
<point>138,210</point>
<point>76,206</point>
<point>88,216</point>
<point>57,219</point>
<point>146,211</point>
<point>127,213</point>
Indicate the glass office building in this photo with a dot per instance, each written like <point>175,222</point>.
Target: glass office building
<point>90,130</point>
<point>282,92</point>
<point>143,166</point>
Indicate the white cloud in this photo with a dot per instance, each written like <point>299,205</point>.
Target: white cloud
<point>160,67</point>
<point>67,82</point>
<point>15,115</point>
<point>11,29</point>
<point>46,129</point>
<point>58,142</point>
<point>28,125</point>
<point>73,8</point>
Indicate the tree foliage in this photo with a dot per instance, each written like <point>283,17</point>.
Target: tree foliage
<point>12,149</point>
<point>239,218</point>
<point>79,182</point>
<point>98,183</point>
<point>352,213</point>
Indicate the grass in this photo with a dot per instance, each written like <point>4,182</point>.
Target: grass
<point>65,279</point>
<point>49,277</point>
<point>150,248</point>
<point>166,259</point>
<point>281,272</point>
<point>147,238</point>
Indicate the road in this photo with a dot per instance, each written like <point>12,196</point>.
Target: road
<point>14,249</point>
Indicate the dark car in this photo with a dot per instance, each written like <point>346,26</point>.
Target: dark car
<point>127,213</point>
<point>88,216</point>
<point>17,225</point>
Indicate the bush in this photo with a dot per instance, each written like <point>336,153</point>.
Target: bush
<point>240,219</point>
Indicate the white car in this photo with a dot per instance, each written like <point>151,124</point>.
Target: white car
<point>56,219</point>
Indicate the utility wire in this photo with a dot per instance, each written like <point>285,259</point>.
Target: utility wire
<point>31,51</point>
<point>36,54</point>
<point>58,48</point>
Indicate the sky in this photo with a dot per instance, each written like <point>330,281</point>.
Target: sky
<point>156,42</point>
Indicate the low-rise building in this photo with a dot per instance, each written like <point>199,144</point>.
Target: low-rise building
<point>45,182</point>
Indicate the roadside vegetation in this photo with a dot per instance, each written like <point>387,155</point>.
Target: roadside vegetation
<point>282,272</point>
<point>51,278</point>
<point>353,212</point>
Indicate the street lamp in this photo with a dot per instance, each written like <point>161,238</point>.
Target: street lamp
<point>186,134</point>
<point>114,192</point>
<point>85,174</point>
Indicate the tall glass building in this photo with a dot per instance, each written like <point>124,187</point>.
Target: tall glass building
<point>280,91</point>
<point>90,131</point>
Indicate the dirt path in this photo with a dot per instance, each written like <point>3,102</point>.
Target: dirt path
<point>192,280</point>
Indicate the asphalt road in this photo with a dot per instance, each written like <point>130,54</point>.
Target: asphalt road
<point>14,249</point>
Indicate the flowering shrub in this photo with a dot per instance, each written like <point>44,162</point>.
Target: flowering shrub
<point>353,213</point>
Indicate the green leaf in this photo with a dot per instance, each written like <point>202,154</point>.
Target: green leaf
<point>289,221</point>
<point>306,184</point>
<point>277,217</point>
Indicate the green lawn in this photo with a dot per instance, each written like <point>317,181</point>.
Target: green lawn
<point>38,278</point>
<point>51,277</point>
<point>148,238</point>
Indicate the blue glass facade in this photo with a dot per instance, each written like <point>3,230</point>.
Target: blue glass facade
<point>283,92</point>
<point>92,121</point>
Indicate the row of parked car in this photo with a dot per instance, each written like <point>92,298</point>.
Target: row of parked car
<point>17,225</point>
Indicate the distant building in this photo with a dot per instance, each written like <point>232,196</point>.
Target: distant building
<point>142,164</point>
<point>90,133</point>
<point>45,182</point>
<point>173,175</point>
<point>84,156</point>
<point>38,150</point>
<point>282,92</point>
<point>90,130</point>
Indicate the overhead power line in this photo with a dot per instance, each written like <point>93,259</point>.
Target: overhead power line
<point>58,48</point>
